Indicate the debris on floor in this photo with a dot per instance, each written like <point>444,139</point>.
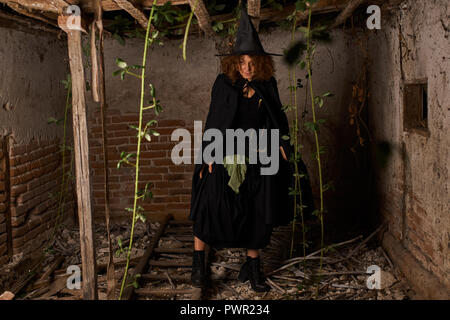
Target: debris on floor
<point>346,272</point>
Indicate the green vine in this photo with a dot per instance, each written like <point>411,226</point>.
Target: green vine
<point>292,58</point>
<point>297,176</point>
<point>64,147</point>
<point>314,126</point>
<point>138,210</point>
<point>187,30</point>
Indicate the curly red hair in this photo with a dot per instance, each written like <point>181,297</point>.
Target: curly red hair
<point>264,67</point>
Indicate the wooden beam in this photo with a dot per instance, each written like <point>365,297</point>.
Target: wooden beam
<point>81,148</point>
<point>25,24</point>
<point>351,6</point>
<point>56,6</point>
<point>202,15</point>
<point>21,10</point>
<point>273,15</point>
<point>254,11</point>
<point>111,282</point>
<point>133,11</point>
<point>111,5</point>
<point>143,263</point>
<point>94,63</point>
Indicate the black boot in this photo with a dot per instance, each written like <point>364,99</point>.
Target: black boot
<point>251,270</point>
<point>198,275</point>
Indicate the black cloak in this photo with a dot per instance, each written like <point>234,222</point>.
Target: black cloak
<point>223,106</point>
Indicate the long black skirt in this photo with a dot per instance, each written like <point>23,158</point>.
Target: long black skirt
<point>224,219</point>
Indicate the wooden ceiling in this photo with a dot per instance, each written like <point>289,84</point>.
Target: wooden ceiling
<point>52,8</point>
<point>47,11</point>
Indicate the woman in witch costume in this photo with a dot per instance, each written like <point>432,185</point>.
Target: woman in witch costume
<point>233,205</point>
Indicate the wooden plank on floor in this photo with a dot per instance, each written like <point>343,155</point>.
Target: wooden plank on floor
<point>143,263</point>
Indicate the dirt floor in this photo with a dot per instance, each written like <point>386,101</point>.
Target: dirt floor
<point>344,268</point>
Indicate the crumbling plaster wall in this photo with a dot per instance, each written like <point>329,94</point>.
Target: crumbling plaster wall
<point>32,67</point>
<point>413,194</point>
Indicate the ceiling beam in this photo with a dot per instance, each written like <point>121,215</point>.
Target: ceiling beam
<point>254,11</point>
<point>202,15</point>
<point>25,24</point>
<point>55,6</point>
<point>21,10</point>
<point>111,5</point>
<point>351,6</point>
<point>133,11</point>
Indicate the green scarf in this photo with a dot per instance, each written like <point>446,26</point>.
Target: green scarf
<point>235,170</point>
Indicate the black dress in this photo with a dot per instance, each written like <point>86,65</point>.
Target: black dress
<point>227,219</point>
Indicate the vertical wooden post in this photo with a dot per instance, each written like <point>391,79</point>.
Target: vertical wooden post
<point>81,149</point>
<point>111,282</point>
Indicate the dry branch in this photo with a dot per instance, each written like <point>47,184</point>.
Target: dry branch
<point>233,291</point>
<point>21,10</point>
<point>146,257</point>
<point>351,6</point>
<point>133,11</point>
<point>202,15</point>
<point>275,286</point>
<point>94,63</point>
<point>55,6</point>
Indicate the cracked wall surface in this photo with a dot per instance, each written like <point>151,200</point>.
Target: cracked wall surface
<point>412,191</point>
<point>32,65</point>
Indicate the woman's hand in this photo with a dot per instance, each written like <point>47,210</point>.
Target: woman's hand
<point>283,154</point>
<point>209,169</point>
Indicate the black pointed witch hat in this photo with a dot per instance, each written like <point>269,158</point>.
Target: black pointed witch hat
<point>247,39</point>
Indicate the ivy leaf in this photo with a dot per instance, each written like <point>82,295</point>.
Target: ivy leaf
<point>151,122</point>
<point>117,72</point>
<point>54,120</point>
<point>311,126</point>
<point>319,101</point>
<point>158,107</point>
<point>155,133</point>
<point>121,64</point>
<point>152,90</point>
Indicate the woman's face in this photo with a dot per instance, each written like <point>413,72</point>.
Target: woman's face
<point>246,67</point>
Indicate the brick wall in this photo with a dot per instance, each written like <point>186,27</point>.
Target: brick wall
<point>3,205</point>
<point>35,181</point>
<point>171,184</point>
